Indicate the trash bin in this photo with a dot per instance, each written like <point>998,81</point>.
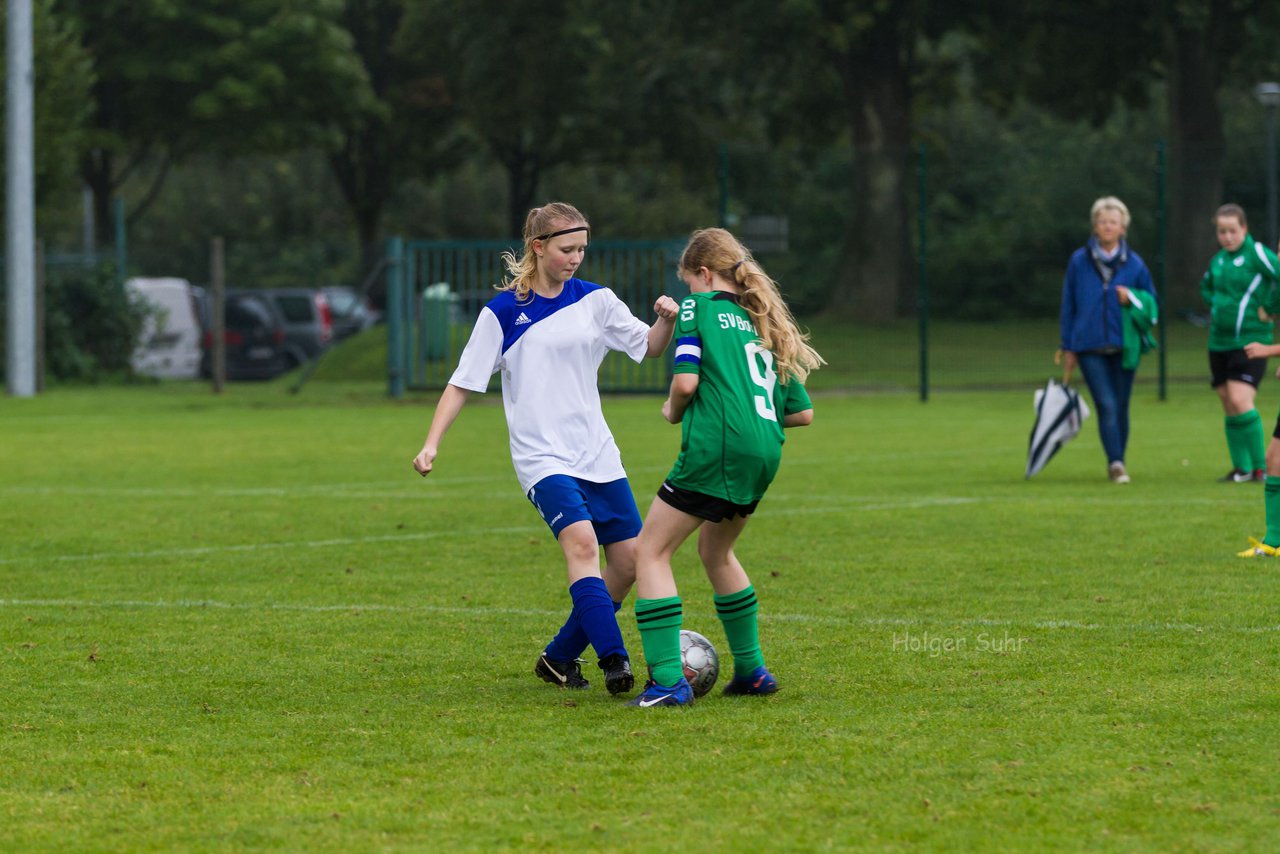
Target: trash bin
<point>437,308</point>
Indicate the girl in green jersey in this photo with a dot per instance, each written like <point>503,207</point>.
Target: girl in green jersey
<point>1239,287</point>
<point>740,367</point>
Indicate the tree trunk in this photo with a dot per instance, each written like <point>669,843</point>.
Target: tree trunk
<point>1197,149</point>
<point>363,170</point>
<point>95,169</point>
<point>522,183</point>
<point>875,281</point>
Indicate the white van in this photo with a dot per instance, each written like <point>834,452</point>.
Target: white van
<point>169,346</point>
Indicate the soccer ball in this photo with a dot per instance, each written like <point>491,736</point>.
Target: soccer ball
<point>700,661</point>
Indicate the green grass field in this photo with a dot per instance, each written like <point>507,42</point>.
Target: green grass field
<point>245,624</point>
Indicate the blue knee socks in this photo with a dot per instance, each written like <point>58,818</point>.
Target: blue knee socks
<point>588,623</point>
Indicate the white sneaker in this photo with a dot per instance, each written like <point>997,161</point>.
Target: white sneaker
<point>1116,472</point>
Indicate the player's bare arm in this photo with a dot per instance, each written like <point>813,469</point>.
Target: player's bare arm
<point>451,401</point>
<point>683,388</point>
<point>798,419</point>
<point>1256,350</point>
<point>662,328</point>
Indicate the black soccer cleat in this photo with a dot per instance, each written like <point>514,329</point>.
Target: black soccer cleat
<point>563,674</point>
<point>617,673</point>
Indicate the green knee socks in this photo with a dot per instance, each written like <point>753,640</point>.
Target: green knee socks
<point>737,611</point>
<point>1246,441</point>
<point>659,621</point>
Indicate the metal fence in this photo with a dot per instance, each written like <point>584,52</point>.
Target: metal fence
<point>436,289</point>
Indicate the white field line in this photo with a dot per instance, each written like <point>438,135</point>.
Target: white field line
<point>400,490</point>
<point>255,547</point>
<point>870,622</point>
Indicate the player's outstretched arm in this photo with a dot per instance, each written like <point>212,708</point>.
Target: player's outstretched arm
<point>798,419</point>
<point>660,331</point>
<point>451,401</point>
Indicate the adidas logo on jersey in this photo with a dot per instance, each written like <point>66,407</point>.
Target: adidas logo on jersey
<point>523,319</point>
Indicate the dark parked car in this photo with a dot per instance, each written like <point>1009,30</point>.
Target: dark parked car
<point>351,311</point>
<point>308,322</point>
<point>254,336</point>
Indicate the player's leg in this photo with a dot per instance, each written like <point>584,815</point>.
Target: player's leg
<point>1255,371</point>
<point>736,606</point>
<point>593,607</point>
<point>1236,378</point>
<point>620,569</point>
<point>619,575</point>
<point>1269,546</point>
<point>1272,490</point>
<point>564,504</point>
<point>659,611</point>
<point>616,521</point>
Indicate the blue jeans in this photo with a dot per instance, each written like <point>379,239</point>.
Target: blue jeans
<point>1110,385</point>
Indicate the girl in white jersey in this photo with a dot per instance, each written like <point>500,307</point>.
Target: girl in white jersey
<point>547,331</point>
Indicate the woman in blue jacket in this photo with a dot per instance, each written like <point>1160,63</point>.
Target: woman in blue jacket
<point>1095,291</point>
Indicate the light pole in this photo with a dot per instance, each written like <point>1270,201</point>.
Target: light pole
<point>1268,94</point>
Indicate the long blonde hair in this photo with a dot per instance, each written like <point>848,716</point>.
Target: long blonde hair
<point>538,225</point>
<point>720,252</point>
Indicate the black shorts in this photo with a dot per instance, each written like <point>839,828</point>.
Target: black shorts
<point>704,506</point>
<point>1235,365</point>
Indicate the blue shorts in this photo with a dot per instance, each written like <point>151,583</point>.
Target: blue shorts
<point>610,507</point>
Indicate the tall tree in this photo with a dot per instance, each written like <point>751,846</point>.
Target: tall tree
<point>405,128</point>
<point>1081,59</point>
<point>845,71</point>
<point>518,72</point>
<point>63,74</point>
<point>178,76</point>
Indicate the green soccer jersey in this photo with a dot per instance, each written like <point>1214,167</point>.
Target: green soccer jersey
<point>733,436</point>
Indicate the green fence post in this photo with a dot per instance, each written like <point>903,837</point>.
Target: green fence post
<point>122,254</point>
<point>395,317</point>
<point>922,267</point>
<point>1161,228</point>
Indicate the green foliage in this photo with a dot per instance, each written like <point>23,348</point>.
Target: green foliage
<point>445,119</point>
<point>63,76</point>
<point>281,217</point>
<point>243,622</point>
<point>91,326</point>
<point>1009,202</point>
<point>206,76</point>
<point>620,87</point>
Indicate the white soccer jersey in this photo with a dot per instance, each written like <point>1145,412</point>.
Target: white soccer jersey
<point>549,352</point>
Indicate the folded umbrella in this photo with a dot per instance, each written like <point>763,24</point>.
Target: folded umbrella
<point>1059,413</point>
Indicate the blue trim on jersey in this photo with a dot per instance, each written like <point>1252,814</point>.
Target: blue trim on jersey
<point>517,318</point>
<point>689,350</point>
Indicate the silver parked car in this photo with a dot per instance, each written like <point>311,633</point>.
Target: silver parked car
<point>308,321</point>
<point>351,311</point>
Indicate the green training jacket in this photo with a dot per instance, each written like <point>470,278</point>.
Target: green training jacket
<point>1236,285</point>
